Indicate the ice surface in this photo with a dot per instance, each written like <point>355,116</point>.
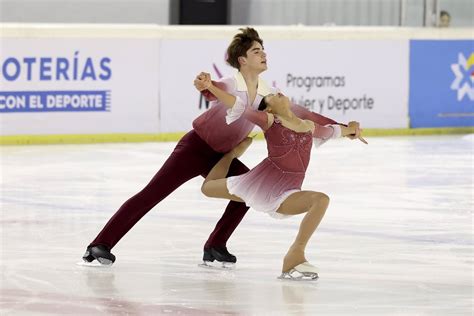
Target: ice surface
<point>397,238</point>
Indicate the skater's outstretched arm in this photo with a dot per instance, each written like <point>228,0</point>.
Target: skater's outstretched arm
<point>319,119</point>
<point>323,133</point>
<point>306,114</point>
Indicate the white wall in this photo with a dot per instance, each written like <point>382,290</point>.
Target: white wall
<point>242,12</point>
<point>85,11</point>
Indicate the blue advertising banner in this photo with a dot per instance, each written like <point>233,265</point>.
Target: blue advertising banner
<point>441,83</point>
<point>71,86</point>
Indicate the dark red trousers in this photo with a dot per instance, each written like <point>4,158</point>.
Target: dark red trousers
<point>191,157</point>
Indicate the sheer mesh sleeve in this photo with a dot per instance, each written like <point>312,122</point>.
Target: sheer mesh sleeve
<point>306,114</point>
<point>225,84</point>
<point>322,134</point>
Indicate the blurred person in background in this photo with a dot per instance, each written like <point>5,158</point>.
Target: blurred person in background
<point>444,19</point>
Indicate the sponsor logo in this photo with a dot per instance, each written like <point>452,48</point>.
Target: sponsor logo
<point>31,70</point>
<point>464,77</point>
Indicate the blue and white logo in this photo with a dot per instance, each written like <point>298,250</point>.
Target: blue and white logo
<point>441,83</point>
<point>464,72</point>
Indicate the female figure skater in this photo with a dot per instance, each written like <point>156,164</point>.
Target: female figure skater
<point>274,185</point>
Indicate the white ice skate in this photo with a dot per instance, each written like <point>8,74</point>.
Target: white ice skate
<point>217,265</point>
<point>302,272</point>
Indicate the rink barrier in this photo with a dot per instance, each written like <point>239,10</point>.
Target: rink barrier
<point>173,137</point>
<point>88,138</point>
<point>14,134</point>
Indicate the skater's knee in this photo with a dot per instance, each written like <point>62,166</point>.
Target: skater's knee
<point>205,189</point>
<point>319,198</point>
<point>210,188</point>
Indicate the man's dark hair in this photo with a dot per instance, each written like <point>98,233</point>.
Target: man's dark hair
<point>240,44</point>
<point>262,105</point>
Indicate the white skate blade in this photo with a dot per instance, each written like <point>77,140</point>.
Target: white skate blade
<point>93,264</point>
<point>294,275</point>
<point>217,265</point>
<point>302,272</point>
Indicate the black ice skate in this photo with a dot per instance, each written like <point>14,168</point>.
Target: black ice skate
<point>100,253</point>
<point>225,259</point>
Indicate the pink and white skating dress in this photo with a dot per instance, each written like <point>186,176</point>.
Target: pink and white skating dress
<point>279,175</point>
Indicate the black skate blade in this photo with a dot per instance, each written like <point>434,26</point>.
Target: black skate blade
<point>217,265</point>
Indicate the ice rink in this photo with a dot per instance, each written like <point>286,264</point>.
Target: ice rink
<point>397,238</point>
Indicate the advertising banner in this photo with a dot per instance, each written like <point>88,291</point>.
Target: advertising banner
<point>441,83</point>
<point>78,86</point>
<point>180,62</point>
<point>345,80</point>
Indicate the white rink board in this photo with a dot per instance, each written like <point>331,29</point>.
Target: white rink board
<point>365,81</point>
<point>126,70</point>
<point>345,80</point>
<point>153,67</point>
<point>180,62</point>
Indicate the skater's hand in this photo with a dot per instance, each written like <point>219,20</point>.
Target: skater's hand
<point>358,132</point>
<point>355,126</point>
<point>202,81</point>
